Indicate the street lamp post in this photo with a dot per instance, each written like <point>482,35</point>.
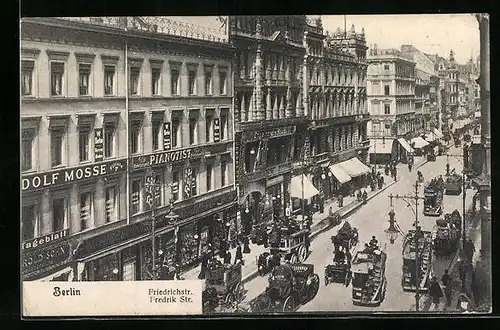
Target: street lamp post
<point>392,232</point>
<point>152,187</point>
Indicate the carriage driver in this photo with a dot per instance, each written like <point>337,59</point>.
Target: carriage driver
<point>339,256</point>
<point>373,242</point>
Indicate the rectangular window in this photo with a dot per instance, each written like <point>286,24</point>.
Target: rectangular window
<point>208,82</point>
<point>193,127</point>
<point>209,126</point>
<point>86,210</point>
<point>194,181</point>
<point>56,78</point>
<point>84,141</point>
<point>155,81</point>
<point>27,149</point>
<point>129,271</point>
<point>59,213</point>
<point>223,173</point>
<point>223,82</point>
<point>192,82</point>
<point>387,109</point>
<point>109,140</point>
<point>223,124</point>
<point>156,128</point>
<point>136,197</point>
<point>84,72</point>
<point>135,137</point>
<point>134,80</point>
<point>386,90</point>
<point>29,221</point>
<point>386,67</point>
<point>57,146</point>
<point>27,77</point>
<point>111,204</point>
<point>176,132</point>
<point>109,77</point>
<point>174,73</point>
<point>209,176</point>
<point>175,185</point>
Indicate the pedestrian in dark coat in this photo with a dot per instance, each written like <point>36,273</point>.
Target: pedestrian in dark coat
<point>446,280</point>
<point>227,258</point>
<point>341,200</point>
<point>203,269</point>
<point>395,174</point>
<point>435,291</point>
<point>238,256</point>
<point>409,166</point>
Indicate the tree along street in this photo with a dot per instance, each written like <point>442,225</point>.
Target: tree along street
<point>372,220</point>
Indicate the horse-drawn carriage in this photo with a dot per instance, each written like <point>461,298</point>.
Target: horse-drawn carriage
<point>290,285</point>
<point>340,270</point>
<point>223,287</point>
<point>446,234</point>
<point>417,252</point>
<point>369,284</point>
<point>259,233</point>
<point>433,202</point>
<point>453,184</point>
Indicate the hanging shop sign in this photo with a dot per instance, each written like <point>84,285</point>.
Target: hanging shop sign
<point>167,137</point>
<point>98,145</point>
<point>64,176</point>
<point>276,132</point>
<point>216,129</point>
<point>188,181</point>
<point>42,260</point>
<point>44,240</point>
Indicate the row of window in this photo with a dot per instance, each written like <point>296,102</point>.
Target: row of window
<point>58,78</point>
<point>86,135</point>
<point>332,77</point>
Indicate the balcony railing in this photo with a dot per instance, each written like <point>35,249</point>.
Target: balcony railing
<point>155,24</point>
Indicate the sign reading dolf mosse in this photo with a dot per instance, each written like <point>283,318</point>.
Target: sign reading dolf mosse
<point>63,176</point>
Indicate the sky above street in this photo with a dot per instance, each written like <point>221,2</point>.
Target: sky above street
<point>431,33</point>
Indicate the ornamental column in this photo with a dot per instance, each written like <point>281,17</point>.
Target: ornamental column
<point>289,106</point>
<point>269,106</point>
<point>259,109</point>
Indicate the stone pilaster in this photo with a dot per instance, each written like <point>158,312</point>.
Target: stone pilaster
<point>289,106</point>
<point>269,106</point>
<point>243,109</point>
<point>305,87</point>
<point>259,109</point>
<point>242,65</point>
<point>276,114</point>
<point>236,108</point>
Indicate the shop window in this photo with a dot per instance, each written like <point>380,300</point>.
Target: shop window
<point>176,176</point>
<point>135,137</point>
<point>56,78</point>
<point>209,125</point>
<point>209,176</point>
<point>109,139</point>
<point>157,134</point>
<point>30,221</point>
<point>188,246</point>
<point>84,143</point>
<point>86,210</point>
<point>136,196</point>
<point>208,81</point>
<point>223,173</point>
<point>135,73</point>
<point>224,114</point>
<point>106,268</point>
<point>109,78</point>
<point>129,271</point>
<point>174,74</point>
<point>28,138</point>
<point>223,82</point>
<point>27,77</point>
<point>59,213</point>
<point>84,73</point>
<point>192,81</point>
<point>155,81</point>
<point>57,142</point>
<point>193,127</point>
<point>176,129</point>
<point>112,204</point>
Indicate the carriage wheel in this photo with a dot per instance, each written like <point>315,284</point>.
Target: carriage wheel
<point>238,292</point>
<point>293,259</point>
<point>314,287</point>
<point>289,305</point>
<point>229,301</point>
<point>302,253</point>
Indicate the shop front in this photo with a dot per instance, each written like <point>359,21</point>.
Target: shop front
<point>301,193</point>
<point>382,151</point>
<point>357,171</point>
<point>404,151</point>
<point>419,145</point>
<point>340,180</point>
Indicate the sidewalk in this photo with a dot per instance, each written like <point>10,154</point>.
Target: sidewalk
<point>319,225</point>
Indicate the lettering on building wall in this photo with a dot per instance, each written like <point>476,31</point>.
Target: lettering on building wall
<point>98,145</point>
<point>216,130</point>
<point>44,180</point>
<point>45,258</point>
<point>276,132</point>
<point>44,240</point>
<point>167,137</point>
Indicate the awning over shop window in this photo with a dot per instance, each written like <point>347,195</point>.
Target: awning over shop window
<point>437,133</point>
<point>430,137</point>
<point>419,143</point>
<point>381,146</point>
<point>301,187</point>
<point>354,167</point>
<point>339,173</point>
<point>406,145</point>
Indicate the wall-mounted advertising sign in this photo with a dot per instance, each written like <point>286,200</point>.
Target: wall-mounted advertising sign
<point>98,145</point>
<point>216,129</point>
<point>167,137</point>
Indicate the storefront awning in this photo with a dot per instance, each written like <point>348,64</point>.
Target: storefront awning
<point>301,187</point>
<point>430,137</point>
<point>339,173</point>
<point>406,145</point>
<point>419,143</point>
<point>381,146</point>
<point>354,167</point>
<point>437,133</point>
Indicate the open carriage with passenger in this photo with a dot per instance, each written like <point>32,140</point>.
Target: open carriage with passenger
<point>369,283</point>
<point>453,184</point>
<point>417,253</point>
<point>290,285</point>
<point>339,271</point>
<point>446,234</point>
<point>223,287</point>
<point>347,237</point>
<point>433,197</point>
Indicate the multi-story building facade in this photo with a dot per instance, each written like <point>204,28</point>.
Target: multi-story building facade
<point>336,89</point>
<point>391,104</point>
<point>105,101</point>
